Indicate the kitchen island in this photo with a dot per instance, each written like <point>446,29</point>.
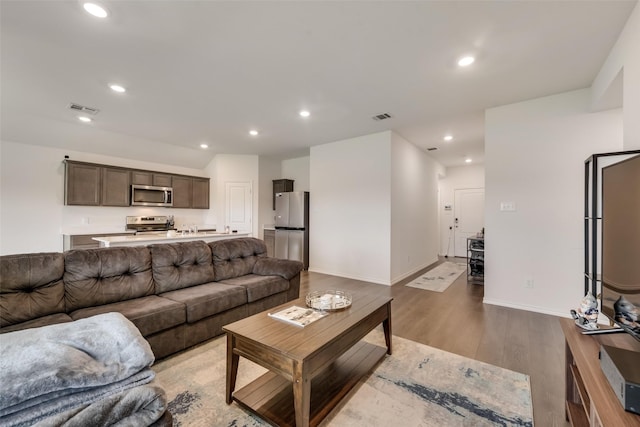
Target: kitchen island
<point>148,239</point>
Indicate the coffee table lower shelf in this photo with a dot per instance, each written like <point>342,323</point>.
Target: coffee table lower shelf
<point>271,396</point>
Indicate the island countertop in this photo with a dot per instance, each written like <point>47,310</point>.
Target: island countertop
<point>148,239</point>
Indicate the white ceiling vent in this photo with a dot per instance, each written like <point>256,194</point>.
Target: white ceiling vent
<point>83,109</point>
<point>383,116</point>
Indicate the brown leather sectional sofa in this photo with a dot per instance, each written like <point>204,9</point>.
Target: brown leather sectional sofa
<point>177,294</point>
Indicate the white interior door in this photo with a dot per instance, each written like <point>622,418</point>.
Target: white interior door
<point>238,206</point>
<point>468,217</point>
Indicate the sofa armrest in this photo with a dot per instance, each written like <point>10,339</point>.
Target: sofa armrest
<point>277,267</point>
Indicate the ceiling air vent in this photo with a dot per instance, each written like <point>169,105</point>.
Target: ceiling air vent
<point>382,116</point>
<point>83,109</point>
<point>432,148</point>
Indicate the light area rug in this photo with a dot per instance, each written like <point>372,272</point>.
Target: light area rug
<point>439,278</point>
<point>416,386</point>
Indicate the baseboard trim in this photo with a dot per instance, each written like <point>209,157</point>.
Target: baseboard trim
<point>414,271</point>
<point>348,276</point>
<point>375,280</point>
<point>525,307</point>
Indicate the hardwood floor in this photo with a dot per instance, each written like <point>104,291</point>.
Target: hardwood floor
<point>457,321</point>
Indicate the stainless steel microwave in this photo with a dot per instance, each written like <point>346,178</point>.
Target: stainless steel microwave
<point>149,195</point>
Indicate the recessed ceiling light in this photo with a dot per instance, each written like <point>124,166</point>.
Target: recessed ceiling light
<point>117,88</point>
<point>466,61</point>
<point>305,113</point>
<point>204,146</point>
<point>95,10</point>
<point>84,119</point>
<point>448,138</point>
<point>253,132</point>
<point>467,160</point>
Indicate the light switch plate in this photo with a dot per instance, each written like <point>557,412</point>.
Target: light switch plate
<point>507,206</point>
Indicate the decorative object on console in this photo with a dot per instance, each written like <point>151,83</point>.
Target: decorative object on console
<point>586,316</point>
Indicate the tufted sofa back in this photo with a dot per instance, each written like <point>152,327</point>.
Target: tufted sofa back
<point>95,277</point>
<point>30,287</point>
<point>236,257</point>
<point>180,265</point>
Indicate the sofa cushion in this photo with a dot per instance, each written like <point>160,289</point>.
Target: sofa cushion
<point>150,314</point>
<point>96,277</point>
<point>236,257</point>
<point>31,286</point>
<point>208,299</point>
<point>259,287</point>
<point>51,319</point>
<point>180,265</point>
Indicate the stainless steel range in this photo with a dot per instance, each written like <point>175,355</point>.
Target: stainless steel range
<point>150,224</point>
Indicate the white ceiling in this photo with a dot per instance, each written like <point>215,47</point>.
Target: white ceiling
<point>209,71</point>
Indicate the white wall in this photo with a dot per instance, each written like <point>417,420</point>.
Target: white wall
<point>269,169</point>
<point>535,152</point>
<point>624,57</point>
<point>414,208</point>
<point>234,168</point>
<point>373,208</point>
<point>32,210</point>
<point>350,212</point>
<point>298,170</point>
<point>457,178</point>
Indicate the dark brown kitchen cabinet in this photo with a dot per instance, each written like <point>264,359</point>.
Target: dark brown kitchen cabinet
<point>82,184</point>
<point>115,187</point>
<point>190,192</point>
<point>85,241</point>
<point>151,178</point>
<point>162,180</point>
<point>200,193</point>
<point>182,187</point>
<point>281,186</point>
<point>141,178</point>
<point>270,241</point>
<point>90,184</point>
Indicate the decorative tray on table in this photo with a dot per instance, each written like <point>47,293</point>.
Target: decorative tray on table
<point>330,300</point>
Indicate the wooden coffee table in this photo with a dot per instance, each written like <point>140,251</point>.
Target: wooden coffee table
<point>323,360</point>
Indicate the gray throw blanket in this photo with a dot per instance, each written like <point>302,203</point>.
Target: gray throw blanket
<point>93,371</point>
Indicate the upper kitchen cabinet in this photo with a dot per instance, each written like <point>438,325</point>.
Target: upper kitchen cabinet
<point>91,184</point>
<point>200,193</point>
<point>82,184</point>
<point>150,178</point>
<point>190,192</point>
<point>141,178</point>
<point>162,180</point>
<point>281,186</point>
<point>115,187</point>
<point>182,186</point>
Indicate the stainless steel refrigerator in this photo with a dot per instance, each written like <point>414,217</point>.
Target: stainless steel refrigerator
<point>292,226</point>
